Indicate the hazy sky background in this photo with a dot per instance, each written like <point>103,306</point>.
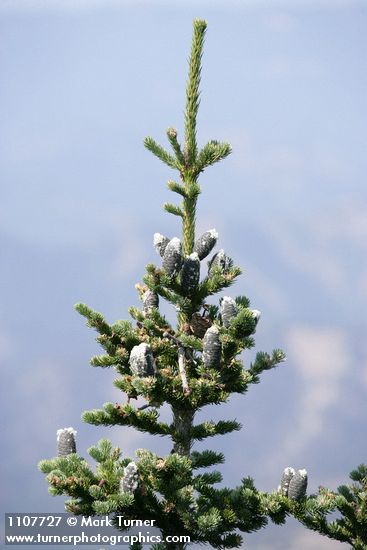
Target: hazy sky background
<point>82,84</point>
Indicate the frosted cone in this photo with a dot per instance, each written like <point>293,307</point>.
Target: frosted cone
<point>142,360</point>
<point>150,301</point>
<point>212,348</point>
<point>228,309</point>
<point>298,485</point>
<point>66,441</point>
<point>286,478</point>
<point>129,483</point>
<point>172,258</point>
<point>221,260</point>
<point>205,244</point>
<point>190,274</point>
<point>160,243</point>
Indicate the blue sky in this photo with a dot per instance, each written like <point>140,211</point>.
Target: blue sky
<point>82,84</point>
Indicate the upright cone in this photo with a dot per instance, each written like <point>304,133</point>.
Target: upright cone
<point>66,441</point>
<point>212,348</point>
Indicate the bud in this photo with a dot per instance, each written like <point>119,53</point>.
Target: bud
<point>66,441</point>
<point>190,274</point>
<point>212,348</point>
<point>160,242</point>
<point>205,244</point>
<point>129,482</point>
<point>150,301</point>
<point>286,478</point>
<point>228,310</point>
<point>142,360</point>
<point>298,485</point>
<point>172,257</point>
<point>172,132</point>
<point>221,260</point>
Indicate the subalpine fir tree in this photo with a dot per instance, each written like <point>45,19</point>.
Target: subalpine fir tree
<point>189,366</point>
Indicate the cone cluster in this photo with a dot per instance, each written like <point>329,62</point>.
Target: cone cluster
<point>293,484</point>
<point>173,261</point>
<point>187,271</point>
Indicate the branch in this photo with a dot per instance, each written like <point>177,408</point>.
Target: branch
<point>126,415</point>
<point>209,429</point>
<point>173,209</point>
<point>160,152</point>
<point>212,152</point>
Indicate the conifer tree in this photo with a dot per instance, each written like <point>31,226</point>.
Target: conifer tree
<point>187,366</point>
